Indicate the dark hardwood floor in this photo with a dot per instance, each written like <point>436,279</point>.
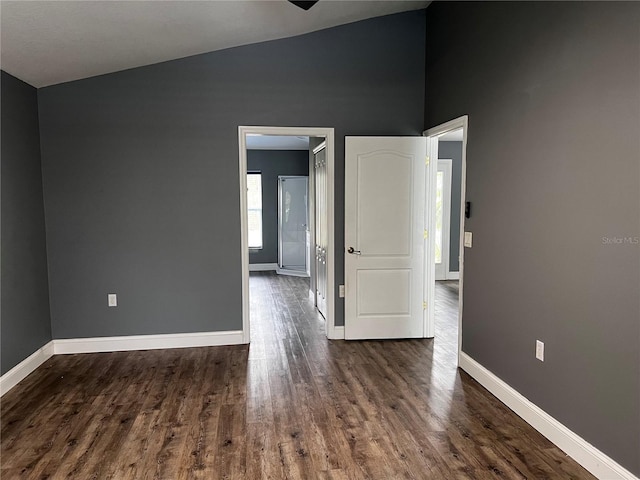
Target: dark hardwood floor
<point>294,405</point>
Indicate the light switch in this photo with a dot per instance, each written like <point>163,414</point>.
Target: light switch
<point>112,300</point>
<point>468,237</point>
<point>540,350</point>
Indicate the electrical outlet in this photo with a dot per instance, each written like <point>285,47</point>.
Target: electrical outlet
<point>112,300</point>
<point>540,350</point>
<point>341,291</point>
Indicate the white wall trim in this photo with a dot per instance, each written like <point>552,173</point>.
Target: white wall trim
<point>244,235</point>
<point>25,367</point>
<point>115,344</point>
<point>330,324</point>
<point>433,133</point>
<point>453,275</point>
<point>262,267</point>
<point>319,147</point>
<point>573,445</point>
<point>146,342</point>
<point>337,333</point>
<point>328,134</point>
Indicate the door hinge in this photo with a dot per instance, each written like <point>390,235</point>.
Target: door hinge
<point>426,160</point>
<point>424,305</point>
<point>426,233</point>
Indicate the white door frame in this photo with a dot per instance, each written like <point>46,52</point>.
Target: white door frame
<point>432,149</point>
<point>313,271</point>
<point>328,133</point>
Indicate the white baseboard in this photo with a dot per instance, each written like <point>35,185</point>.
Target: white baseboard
<point>25,367</point>
<point>291,273</point>
<point>262,267</point>
<point>336,333</point>
<point>576,447</point>
<point>453,275</point>
<point>115,344</point>
<point>147,342</point>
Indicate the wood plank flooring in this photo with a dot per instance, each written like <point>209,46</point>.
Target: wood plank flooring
<point>292,406</point>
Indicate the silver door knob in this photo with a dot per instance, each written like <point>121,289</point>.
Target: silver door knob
<point>352,251</point>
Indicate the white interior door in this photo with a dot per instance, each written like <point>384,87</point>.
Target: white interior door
<point>292,222</point>
<point>385,179</point>
<point>442,231</point>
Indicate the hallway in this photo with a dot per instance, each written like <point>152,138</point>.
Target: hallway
<point>395,409</point>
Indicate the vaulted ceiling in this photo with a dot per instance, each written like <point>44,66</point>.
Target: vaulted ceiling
<point>49,42</point>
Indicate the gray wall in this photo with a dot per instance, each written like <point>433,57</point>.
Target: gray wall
<point>552,91</point>
<point>453,151</point>
<point>25,325</point>
<point>141,167</point>
<point>272,163</point>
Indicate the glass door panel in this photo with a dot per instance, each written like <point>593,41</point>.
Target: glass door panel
<point>292,222</point>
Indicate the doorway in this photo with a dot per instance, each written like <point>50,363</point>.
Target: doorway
<point>443,215</point>
<point>446,145</point>
<point>327,136</point>
<point>293,225</point>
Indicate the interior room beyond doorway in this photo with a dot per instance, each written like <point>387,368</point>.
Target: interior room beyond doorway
<point>287,227</point>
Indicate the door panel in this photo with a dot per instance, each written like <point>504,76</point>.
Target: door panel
<point>384,292</point>
<point>320,258</point>
<point>379,172</point>
<point>384,237</point>
<point>292,219</point>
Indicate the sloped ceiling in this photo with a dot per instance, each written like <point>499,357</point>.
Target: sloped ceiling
<point>49,42</point>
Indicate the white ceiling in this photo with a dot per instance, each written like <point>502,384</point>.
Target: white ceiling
<point>55,41</point>
<point>277,142</point>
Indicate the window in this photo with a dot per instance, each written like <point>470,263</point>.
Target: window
<point>254,207</point>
